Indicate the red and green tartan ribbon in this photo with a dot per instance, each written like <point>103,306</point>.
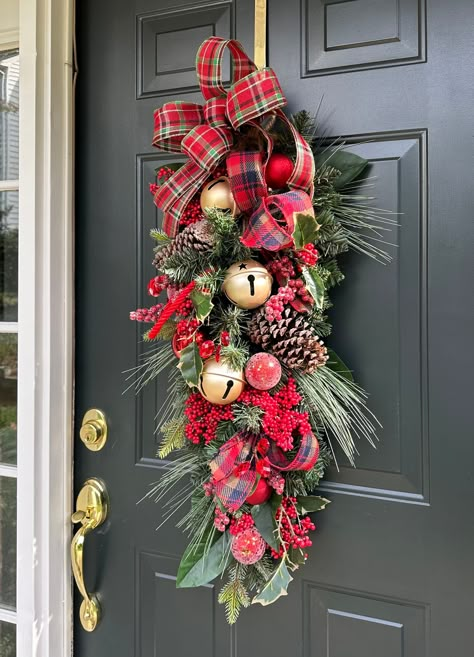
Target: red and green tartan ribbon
<point>247,179</point>
<point>234,468</point>
<point>205,133</point>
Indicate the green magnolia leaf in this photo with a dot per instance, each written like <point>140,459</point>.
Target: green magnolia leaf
<point>174,166</point>
<point>264,518</point>
<point>315,285</point>
<point>311,503</point>
<point>275,587</point>
<point>202,303</point>
<point>190,364</point>
<point>200,563</point>
<point>349,164</point>
<point>306,229</point>
<point>338,365</point>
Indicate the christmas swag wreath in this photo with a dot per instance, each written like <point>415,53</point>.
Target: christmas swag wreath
<point>254,222</point>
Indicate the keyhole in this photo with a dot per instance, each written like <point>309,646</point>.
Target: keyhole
<point>251,280</point>
<point>202,386</point>
<point>230,384</point>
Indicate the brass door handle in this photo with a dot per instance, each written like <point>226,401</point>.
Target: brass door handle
<point>92,506</point>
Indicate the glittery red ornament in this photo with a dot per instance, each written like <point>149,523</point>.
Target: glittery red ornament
<point>261,493</point>
<point>278,170</point>
<point>263,371</point>
<point>248,547</point>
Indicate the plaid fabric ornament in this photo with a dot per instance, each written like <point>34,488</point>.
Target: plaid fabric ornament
<point>234,470</point>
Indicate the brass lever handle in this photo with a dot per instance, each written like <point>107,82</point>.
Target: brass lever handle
<point>92,506</point>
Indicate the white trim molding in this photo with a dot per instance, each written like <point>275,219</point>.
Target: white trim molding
<point>45,368</point>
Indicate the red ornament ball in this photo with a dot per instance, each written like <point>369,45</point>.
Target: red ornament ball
<point>263,371</point>
<point>278,170</point>
<point>261,493</point>
<point>248,547</point>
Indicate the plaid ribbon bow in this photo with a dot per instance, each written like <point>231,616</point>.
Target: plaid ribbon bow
<point>205,133</point>
<point>234,468</point>
<point>264,230</point>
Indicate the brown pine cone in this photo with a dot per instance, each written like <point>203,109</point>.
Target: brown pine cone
<point>195,237</point>
<point>292,340</point>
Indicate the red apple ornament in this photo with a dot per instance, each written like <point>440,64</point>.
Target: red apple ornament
<point>278,170</point>
<point>261,493</point>
<point>263,371</point>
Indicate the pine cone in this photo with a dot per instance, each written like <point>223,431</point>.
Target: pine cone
<point>292,340</point>
<point>195,237</point>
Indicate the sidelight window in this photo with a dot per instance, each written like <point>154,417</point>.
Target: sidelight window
<point>9,224</point>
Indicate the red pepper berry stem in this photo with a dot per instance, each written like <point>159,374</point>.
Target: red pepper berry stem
<point>170,308</point>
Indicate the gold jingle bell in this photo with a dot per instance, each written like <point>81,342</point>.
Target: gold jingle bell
<point>247,284</point>
<point>218,194</point>
<point>220,384</point>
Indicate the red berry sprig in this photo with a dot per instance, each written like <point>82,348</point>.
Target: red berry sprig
<point>299,288</point>
<point>276,303</point>
<point>294,529</point>
<point>309,255</point>
<point>147,314</point>
<point>281,267</point>
<point>238,525</point>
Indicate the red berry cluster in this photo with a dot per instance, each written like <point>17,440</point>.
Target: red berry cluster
<point>282,267</point>
<point>277,481</point>
<point>309,255</point>
<point>203,418</point>
<point>221,519</point>
<point>157,284</point>
<point>299,287</point>
<point>294,528</point>
<point>280,422</point>
<point>185,309</point>
<point>185,330</point>
<point>238,525</point>
<point>192,213</point>
<point>147,314</point>
<point>276,303</point>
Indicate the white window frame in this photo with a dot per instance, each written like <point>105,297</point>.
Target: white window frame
<point>45,336</point>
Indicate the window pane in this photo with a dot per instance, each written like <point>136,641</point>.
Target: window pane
<point>9,110</point>
<point>7,542</point>
<point>7,640</point>
<point>8,256</point>
<point>8,392</point>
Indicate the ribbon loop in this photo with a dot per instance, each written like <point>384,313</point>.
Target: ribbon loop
<point>257,94</point>
<point>207,145</point>
<point>172,122</point>
<point>209,62</point>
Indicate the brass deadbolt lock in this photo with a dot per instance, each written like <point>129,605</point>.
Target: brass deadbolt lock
<point>93,431</point>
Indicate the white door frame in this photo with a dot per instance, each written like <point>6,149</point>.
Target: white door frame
<point>45,368</point>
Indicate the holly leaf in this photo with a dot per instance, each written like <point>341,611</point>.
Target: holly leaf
<point>190,364</point>
<point>174,166</point>
<point>306,229</point>
<point>296,558</point>
<point>202,302</point>
<point>203,562</point>
<point>338,365</point>
<point>275,587</point>
<point>349,164</point>
<point>314,285</point>
<point>264,518</point>
<point>311,503</point>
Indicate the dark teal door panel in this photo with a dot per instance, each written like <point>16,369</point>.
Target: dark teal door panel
<point>390,572</point>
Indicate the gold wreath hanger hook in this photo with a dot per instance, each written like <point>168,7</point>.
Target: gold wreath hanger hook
<point>260,49</point>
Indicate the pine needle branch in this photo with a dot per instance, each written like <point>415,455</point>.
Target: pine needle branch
<point>173,437</point>
<point>234,595</point>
